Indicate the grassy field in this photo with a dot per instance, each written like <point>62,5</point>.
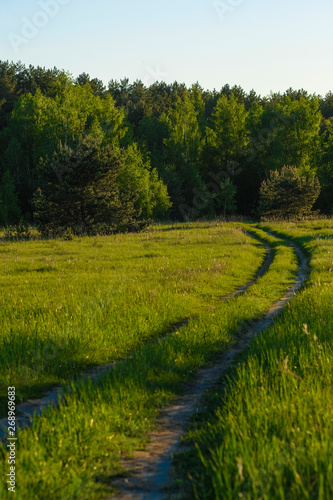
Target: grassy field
<point>74,451</point>
<point>267,430</point>
<point>70,305</point>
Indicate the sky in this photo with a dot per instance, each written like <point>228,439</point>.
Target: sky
<point>265,45</point>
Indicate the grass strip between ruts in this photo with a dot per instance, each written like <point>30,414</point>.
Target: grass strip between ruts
<point>267,430</point>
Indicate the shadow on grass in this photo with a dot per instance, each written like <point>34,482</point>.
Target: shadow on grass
<point>36,366</point>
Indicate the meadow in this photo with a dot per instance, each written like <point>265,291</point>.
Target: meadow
<point>69,305</point>
<point>119,297</point>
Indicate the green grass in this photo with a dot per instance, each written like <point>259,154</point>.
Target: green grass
<point>267,430</point>
<point>74,451</point>
<point>66,306</point>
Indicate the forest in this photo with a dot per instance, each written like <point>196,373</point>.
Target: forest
<point>74,153</point>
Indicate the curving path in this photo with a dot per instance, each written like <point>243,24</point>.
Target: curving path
<point>149,471</point>
<point>27,410</point>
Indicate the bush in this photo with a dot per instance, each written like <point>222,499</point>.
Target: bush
<point>19,232</point>
<point>287,194</point>
<point>68,235</point>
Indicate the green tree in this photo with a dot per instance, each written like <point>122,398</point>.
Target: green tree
<point>295,133</point>
<point>82,191</point>
<point>8,92</point>
<point>184,142</point>
<point>138,178</point>
<point>9,209</point>
<point>287,194</point>
<point>325,169</point>
<point>227,137</point>
<point>226,198</point>
<point>251,171</point>
<point>43,123</point>
<point>326,105</point>
<point>196,95</point>
<point>182,148</point>
<point>39,125</point>
<point>96,85</point>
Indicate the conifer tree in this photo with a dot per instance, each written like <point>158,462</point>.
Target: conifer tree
<point>287,194</point>
<point>82,192</point>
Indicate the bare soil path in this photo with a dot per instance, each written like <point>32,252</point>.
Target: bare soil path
<point>149,472</point>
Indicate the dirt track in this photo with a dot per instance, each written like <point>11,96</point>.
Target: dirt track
<point>150,471</point>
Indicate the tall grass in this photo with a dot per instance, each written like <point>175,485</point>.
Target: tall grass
<point>74,451</point>
<point>268,432</point>
<point>69,305</point>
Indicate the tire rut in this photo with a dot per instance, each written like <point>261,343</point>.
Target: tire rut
<point>149,472</point>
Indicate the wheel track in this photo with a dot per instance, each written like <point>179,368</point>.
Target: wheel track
<point>149,471</point>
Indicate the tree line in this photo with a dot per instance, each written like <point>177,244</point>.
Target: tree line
<point>75,153</point>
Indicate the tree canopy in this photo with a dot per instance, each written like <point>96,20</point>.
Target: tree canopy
<point>181,150</point>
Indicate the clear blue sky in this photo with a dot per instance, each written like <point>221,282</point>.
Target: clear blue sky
<point>261,44</point>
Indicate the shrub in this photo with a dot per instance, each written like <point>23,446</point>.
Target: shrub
<point>288,194</point>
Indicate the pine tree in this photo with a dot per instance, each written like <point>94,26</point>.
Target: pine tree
<point>81,192</point>
<point>287,194</point>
